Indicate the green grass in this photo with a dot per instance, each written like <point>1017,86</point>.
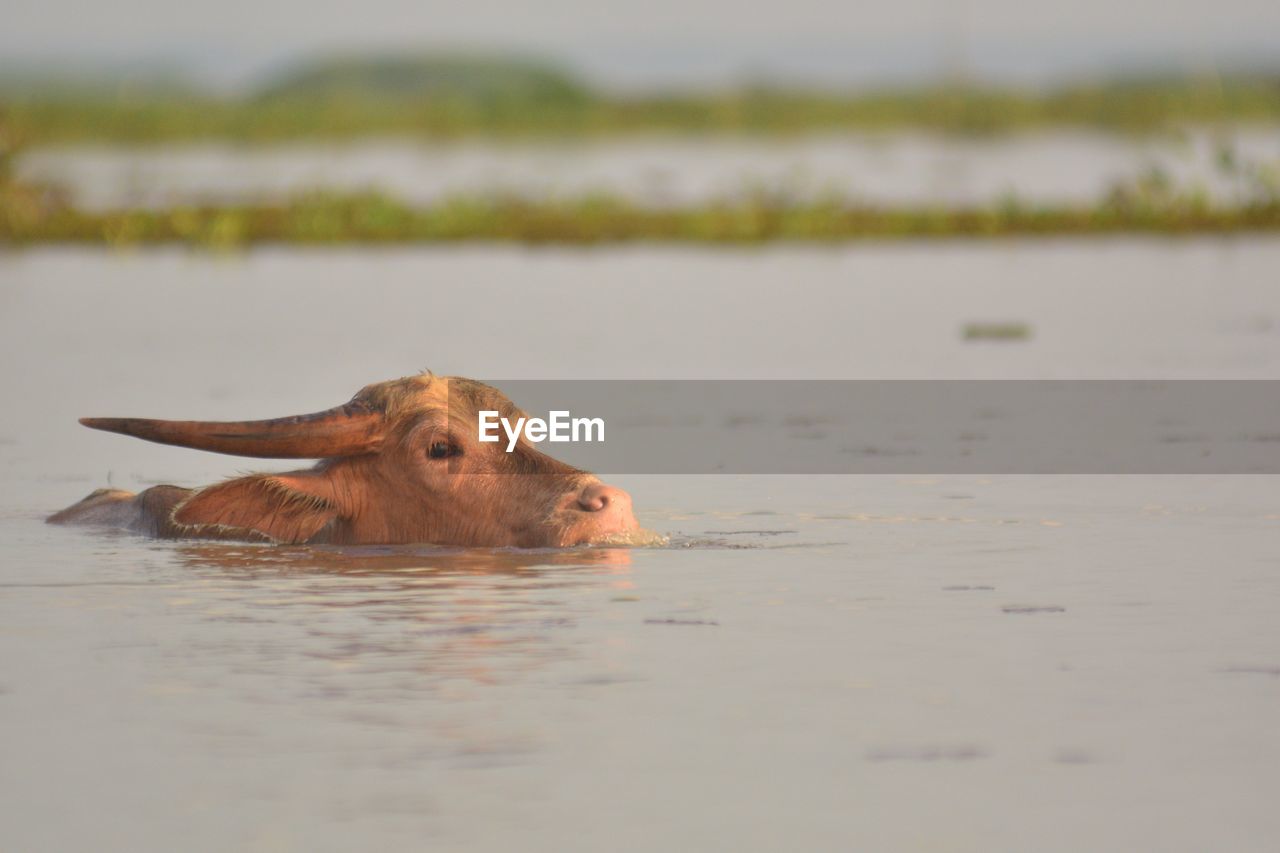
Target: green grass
<point>401,79</point>
<point>423,100</point>
<point>1152,204</point>
<point>31,216</point>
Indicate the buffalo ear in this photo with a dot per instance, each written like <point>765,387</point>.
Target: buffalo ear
<point>289,509</point>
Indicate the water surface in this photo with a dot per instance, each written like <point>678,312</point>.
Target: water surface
<point>891,662</point>
<point>900,168</point>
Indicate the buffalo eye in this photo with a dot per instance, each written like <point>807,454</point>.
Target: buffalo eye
<point>442,450</point>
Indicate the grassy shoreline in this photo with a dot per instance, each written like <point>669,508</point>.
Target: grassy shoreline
<point>29,216</point>
<point>127,117</point>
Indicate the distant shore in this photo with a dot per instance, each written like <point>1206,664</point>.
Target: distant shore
<point>29,216</point>
<point>319,107</point>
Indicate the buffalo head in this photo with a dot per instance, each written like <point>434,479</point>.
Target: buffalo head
<point>400,463</point>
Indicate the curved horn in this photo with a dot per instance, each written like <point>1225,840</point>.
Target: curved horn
<point>347,430</point>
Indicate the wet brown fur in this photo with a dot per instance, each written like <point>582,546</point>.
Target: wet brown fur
<point>396,494</point>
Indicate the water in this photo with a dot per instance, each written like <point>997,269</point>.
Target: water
<point>1056,166</point>
<point>959,663</point>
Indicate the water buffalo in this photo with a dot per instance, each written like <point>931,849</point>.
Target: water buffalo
<point>400,463</point>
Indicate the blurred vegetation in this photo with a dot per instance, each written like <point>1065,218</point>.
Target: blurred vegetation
<point>444,96</point>
<point>29,215</point>
<point>399,79</point>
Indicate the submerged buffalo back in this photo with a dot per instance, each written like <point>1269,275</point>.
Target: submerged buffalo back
<point>148,513</point>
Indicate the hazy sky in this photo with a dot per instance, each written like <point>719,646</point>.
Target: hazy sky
<point>659,41</point>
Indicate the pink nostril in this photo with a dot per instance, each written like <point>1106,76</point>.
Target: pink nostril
<point>597,496</point>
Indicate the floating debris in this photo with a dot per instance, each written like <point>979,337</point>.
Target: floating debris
<point>1073,756</point>
<point>999,331</point>
<point>711,622</point>
<point>1255,670</point>
<point>927,753</point>
<point>1029,608</point>
<point>751,532</point>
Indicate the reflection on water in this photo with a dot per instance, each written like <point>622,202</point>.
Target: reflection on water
<point>403,562</point>
<point>395,622</point>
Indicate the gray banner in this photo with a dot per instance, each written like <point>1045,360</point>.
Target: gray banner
<point>913,427</point>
